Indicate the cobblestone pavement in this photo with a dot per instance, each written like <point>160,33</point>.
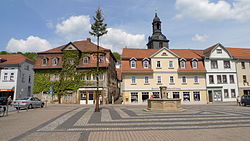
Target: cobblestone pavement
<point>127,123</point>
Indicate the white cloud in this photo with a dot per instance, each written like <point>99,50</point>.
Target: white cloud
<point>74,28</point>
<point>206,10</point>
<point>116,39</point>
<point>200,38</point>
<point>31,44</point>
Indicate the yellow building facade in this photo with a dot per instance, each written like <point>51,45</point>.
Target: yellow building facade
<point>144,71</point>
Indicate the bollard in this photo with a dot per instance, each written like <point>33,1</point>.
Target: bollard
<point>18,107</point>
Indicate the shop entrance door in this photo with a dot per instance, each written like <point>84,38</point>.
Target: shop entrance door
<point>91,98</point>
<point>210,96</point>
<point>217,95</point>
<point>83,98</point>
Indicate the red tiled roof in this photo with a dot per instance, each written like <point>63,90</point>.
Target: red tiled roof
<point>14,59</point>
<point>240,53</point>
<point>83,46</point>
<point>138,53</point>
<point>189,69</point>
<point>186,53</point>
<point>139,68</point>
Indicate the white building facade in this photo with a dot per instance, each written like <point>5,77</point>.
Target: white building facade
<point>221,76</point>
<point>16,76</point>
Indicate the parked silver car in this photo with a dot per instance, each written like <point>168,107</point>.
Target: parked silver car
<point>28,102</point>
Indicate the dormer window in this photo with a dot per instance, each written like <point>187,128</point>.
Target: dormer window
<point>133,63</point>
<point>55,61</point>
<point>183,63</point>
<point>145,63</point>
<point>194,63</point>
<point>86,60</point>
<point>101,59</point>
<point>44,61</point>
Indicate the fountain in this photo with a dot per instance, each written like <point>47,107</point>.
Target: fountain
<point>164,103</point>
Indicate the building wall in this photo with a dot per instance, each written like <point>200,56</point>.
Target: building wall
<point>240,72</point>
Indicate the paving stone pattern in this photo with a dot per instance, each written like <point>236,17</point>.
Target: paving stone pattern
<point>132,123</point>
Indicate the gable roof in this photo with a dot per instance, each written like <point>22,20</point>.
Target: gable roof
<point>207,52</point>
<point>12,59</point>
<point>186,53</point>
<point>83,46</point>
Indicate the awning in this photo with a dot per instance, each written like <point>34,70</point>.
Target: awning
<point>6,89</point>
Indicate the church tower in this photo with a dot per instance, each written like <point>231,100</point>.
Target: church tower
<point>157,40</point>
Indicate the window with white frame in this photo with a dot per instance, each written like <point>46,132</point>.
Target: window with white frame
<point>226,94</point>
<point>219,51</point>
<point>101,59</point>
<point>182,63</point>
<point>196,79</point>
<point>194,63</point>
<point>196,96</point>
<point>83,77</point>
<point>86,60</point>
<point>145,64</point>
<point>176,94</point>
<point>184,79</point>
<point>146,80</point>
<point>101,76</point>
<point>170,64</point>
<point>214,64</point>
<point>219,80</point>
<point>55,61</point>
<point>211,79</point>
<point>171,79</point>
<point>133,80</point>
<point>158,64</point>
<point>227,64</point>
<point>244,79</point>
<point>159,81</point>
<point>186,96</point>
<point>231,77</point>
<point>233,94</point>
<point>133,64</point>
<point>44,61</point>
<point>11,76</point>
<point>224,79</point>
<point>89,77</point>
<point>5,76</point>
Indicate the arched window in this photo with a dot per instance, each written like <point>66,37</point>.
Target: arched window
<point>133,63</point>
<point>86,60</point>
<point>194,63</point>
<point>183,63</point>
<point>55,61</point>
<point>145,64</point>
<point>44,61</point>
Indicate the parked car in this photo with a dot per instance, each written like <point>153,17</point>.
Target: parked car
<point>245,100</point>
<point>28,102</point>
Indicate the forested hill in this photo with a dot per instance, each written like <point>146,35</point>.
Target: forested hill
<point>30,55</point>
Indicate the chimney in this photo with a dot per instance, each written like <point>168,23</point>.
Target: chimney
<point>88,39</point>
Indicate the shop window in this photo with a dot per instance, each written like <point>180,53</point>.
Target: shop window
<point>186,96</point>
<point>134,97</point>
<point>176,94</point>
<point>226,95</point>
<point>156,94</point>
<point>145,96</point>
<point>233,94</point>
<point>196,96</point>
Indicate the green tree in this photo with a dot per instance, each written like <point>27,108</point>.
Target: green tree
<point>117,56</point>
<point>98,30</point>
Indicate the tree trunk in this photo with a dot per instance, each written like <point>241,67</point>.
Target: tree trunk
<point>97,109</point>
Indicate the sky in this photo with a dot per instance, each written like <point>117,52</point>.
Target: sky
<point>39,25</point>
